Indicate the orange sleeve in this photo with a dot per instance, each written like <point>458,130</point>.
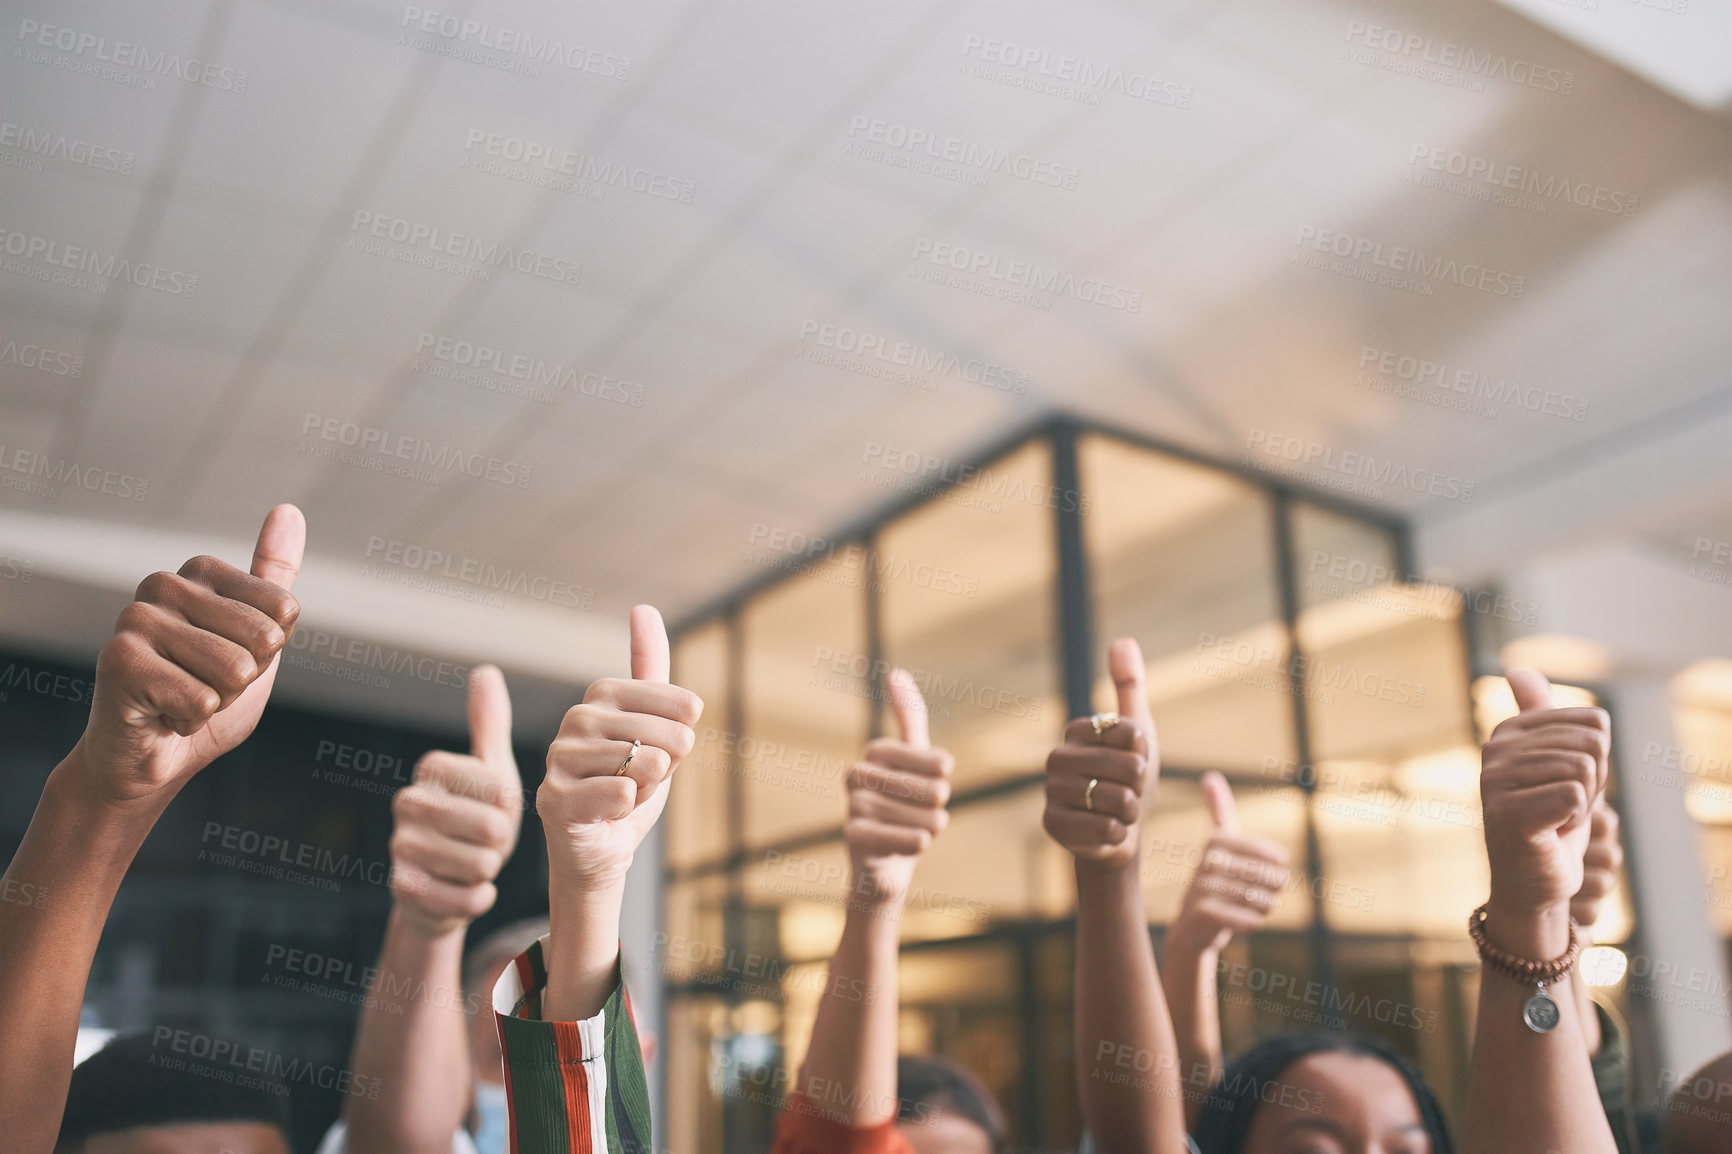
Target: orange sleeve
<point>802,1130</point>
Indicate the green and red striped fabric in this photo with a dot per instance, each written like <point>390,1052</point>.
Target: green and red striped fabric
<point>572,1087</point>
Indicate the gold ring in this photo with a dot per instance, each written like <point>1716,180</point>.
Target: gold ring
<point>620,772</point>
<point>1089,794</point>
<point>1103,722</point>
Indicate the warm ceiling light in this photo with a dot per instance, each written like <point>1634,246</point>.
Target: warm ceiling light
<point>1559,656</point>
<point>1603,965</point>
<point>1707,682</point>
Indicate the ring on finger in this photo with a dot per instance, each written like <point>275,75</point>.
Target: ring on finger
<point>1103,722</point>
<point>620,772</point>
<point>1089,794</point>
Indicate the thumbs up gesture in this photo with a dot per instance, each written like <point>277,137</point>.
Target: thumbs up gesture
<point>1236,883</point>
<point>1541,777</point>
<point>1095,781</point>
<point>896,798</point>
<point>189,668</point>
<point>457,824</point>
<point>607,770</point>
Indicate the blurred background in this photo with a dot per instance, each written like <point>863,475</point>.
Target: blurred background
<point>1339,352</point>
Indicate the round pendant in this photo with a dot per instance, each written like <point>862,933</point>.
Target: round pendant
<point>1540,1013</point>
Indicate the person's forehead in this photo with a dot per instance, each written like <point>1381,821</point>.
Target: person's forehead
<point>1345,1085</point>
<point>192,1138</point>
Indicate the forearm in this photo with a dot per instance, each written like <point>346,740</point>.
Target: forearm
<point>850,1069</point>
<point>1127,1052</point>
<point>1530,1091</point>
<point>58,888</point>
<point>412,1044</point>
<point>1585,1012</point>
<point>582,948</point>
<point>1188,980</point>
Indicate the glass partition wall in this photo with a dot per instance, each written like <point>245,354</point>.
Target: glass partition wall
<point>1284,648</point>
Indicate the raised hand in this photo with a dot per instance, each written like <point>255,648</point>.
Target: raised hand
<point>594,816</point>
<point>896,798</point>
<point>457,824</point>
<point>1122,762</point>
<point>1236,884</point>
<point>1542,774</point>
<point>1600,864</point>
<point>189,668</point>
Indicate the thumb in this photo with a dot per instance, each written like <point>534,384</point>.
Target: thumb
<point>1219,797</point>
<point>490,716</point>
<point>649,645</point>
<point>909,708</point>
<point>1125,664</point>
<point>282,541</point>
<point>1532,690</point>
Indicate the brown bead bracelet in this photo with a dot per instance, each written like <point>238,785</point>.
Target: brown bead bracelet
<point>1521,969</point>
<point>1540,1013</point>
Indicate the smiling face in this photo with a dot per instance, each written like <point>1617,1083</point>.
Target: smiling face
<point>1338,1103</point>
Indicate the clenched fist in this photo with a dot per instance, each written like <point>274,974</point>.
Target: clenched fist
<point>896,798</point>
<point>1600,864</point>
<point>1541,777</point>
<point>594,816</point>
<point>456,825</point>
<point>1236,885</point>
<point>189,668</point>
<point>1101,825</point>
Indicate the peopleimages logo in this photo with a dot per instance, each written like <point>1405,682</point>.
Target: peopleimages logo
<point>125,54</point>
<point>515,42</point>
<point>577,165</point>
<point>1354,467</point>
<point>1416,50</point>
<point>1071,77</point>
<point>88,269</point>
<point>915,358</point>
<point>436,461</point>
<point>441,563</point>
<point>58,146</point>
<point>1399,260</point>
<point>1500,177</point>
<point>45,360</point>
<point>1470,384</point>
<point>1022,274</point>
<point>429,245</point>
<point>888,141</point>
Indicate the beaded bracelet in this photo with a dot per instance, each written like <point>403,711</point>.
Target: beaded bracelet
<point>1540,1012</point>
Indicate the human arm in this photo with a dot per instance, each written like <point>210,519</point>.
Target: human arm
<point>564,1019</point>
<point>1542,773</point>
<point>454,828</point>
<point>182,681</point>
<point>1127,1056</point>
<point>1232,891</point>
<point>896,799</point>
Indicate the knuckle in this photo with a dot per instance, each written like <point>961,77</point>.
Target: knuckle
<point>202,568</point>
<point>138,616</point>
<point>604,689</point>
<point>159,586</point>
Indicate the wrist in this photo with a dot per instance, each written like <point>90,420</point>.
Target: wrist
<point>1094,872</point>
<point>567,876</point>
<point>417,927</point>
<point>1190,945</point>
<point>1532,932</point>
<point>72,790</point>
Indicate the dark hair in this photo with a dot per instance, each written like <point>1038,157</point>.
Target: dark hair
<point>133,1082</point>
<point>1225,1119</point>
<point>932,1083</point>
